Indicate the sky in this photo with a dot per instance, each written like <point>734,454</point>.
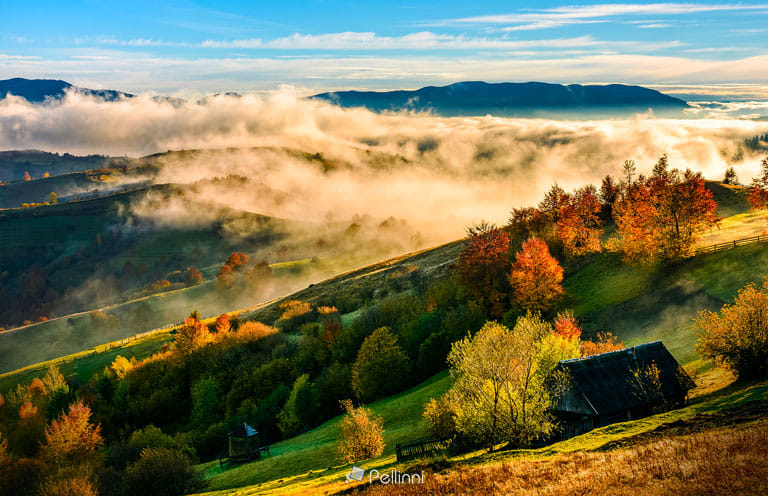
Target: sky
<point>189,48</point>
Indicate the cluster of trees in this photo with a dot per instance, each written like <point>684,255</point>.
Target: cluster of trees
<point>532,280</point>
<point>237,274</point>
<point>50,444</point>
<point>661,217</point>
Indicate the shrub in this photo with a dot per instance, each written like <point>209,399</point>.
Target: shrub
<point>162,472</point>
<point>361,434</point>
<point>77,485</point>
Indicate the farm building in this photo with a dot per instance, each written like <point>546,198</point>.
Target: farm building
<point>618,386</point>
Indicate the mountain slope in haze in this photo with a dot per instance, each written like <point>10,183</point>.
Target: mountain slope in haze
<point>41,90</point>
<point>38,90</point>
<point>477,97</point>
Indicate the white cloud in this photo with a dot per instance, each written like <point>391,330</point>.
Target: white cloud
<point>579,14</point>
<point>655,25</point>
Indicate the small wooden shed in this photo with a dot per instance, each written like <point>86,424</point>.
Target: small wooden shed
<point>244,443</point>
<point>603,389</point>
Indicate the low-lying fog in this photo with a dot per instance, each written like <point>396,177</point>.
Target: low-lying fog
<point>439,173</point>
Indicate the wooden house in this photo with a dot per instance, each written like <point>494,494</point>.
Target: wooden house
<point>618,386</point>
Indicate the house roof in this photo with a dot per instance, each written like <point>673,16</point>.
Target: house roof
<point>243,430</point>
<point>608,381</point>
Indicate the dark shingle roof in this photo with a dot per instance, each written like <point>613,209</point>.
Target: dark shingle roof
<point>608,383</point>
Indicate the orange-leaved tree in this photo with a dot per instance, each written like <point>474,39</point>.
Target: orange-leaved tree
<point>758,190</point>
<point>566,325</point>
<point>536,277</point>
<point>483,264</point>
<point>604,343</point>
<point>191,336</point>
<point>72,439</point>
<point>578,228</point>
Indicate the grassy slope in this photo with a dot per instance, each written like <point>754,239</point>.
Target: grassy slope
<point>304,464</point>
<point>313,454</point>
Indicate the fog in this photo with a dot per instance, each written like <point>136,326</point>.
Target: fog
<point>310,161</point>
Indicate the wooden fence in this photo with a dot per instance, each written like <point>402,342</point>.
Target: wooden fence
<point>419,448</point>
<point>752,240</point>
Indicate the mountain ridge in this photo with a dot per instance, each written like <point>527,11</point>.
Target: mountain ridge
<point>474,97</point>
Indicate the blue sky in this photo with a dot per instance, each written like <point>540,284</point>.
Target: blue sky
<point>202,47</point>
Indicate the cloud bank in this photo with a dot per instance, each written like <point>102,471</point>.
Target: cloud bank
<point>311,161</point>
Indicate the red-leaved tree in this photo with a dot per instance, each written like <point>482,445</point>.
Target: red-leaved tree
<point>483,264</point>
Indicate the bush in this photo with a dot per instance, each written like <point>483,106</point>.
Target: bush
<point>361,434</point>
<point>162,472</point>
<point>78,485</point>
<point>738,335</point>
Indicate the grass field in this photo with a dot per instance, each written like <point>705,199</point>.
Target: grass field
<point>305,464</point>
<point>313,454</point>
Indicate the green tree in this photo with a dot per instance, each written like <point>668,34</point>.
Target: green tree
<point>162,472</point>
<point>206,402</point>
<point>299,410</point>
<point>381,366</point>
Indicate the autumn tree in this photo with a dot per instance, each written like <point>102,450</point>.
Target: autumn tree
<point>501,388</point>
<point>482,266</point>
<point>578,228</point>
<point>227,275</point>
<point>191,336</point>
<point>663,216</point>
<point>72,439</point>
<point>758,190</point>
<point>27,177</point>
<point>193,276</point>
<point>737,336</point>
<point>566,325</point>
<point>536,277</point>
<point>361,434</point>
<point>381,366</point>
<point>553,203</point>
<point>222,324</point>
<point>603,343</point>
<point>527,222</point>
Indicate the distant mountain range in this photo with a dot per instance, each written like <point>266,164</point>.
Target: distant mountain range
<point>37,90</point>
<point>478,98</point>
<point>466,98</point>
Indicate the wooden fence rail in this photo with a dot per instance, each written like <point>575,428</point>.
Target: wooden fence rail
<point>419,448</point>
<point>752,240</point>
